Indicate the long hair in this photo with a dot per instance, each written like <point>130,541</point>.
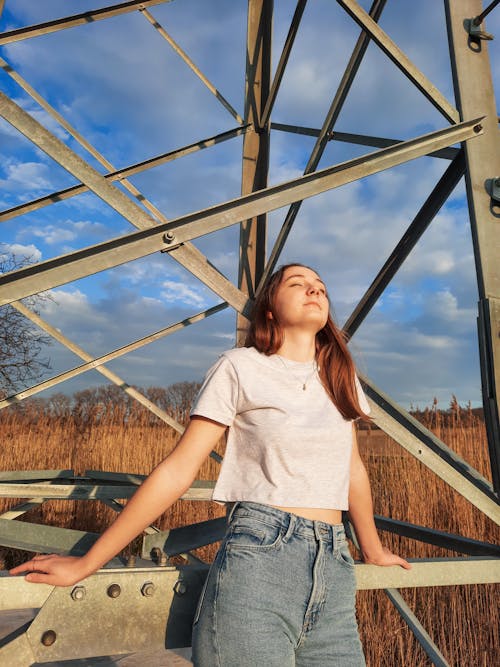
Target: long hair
<point>336,366</point>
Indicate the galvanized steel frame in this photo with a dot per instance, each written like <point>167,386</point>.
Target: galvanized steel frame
<point>479,159</point>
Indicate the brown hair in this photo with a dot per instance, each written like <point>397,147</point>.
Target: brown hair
<point>337,370</point>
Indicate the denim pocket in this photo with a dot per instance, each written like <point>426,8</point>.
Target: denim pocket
<point>255,535</point>
<point>344,555</point>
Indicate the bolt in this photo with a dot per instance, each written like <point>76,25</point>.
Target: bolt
<point>168,237</point>
<point>148,589</point>
<point>131,560</point>
<point>48,637</point>
<point>78,593</point>
<point>114,591</point>
<point>180,587</point>
<point>478,128</point>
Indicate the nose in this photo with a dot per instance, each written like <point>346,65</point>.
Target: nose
<point>312,289</point>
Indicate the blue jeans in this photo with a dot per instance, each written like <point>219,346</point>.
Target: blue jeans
<point>280,593</point>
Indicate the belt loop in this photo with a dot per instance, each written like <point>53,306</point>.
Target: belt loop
<point>291,527</point>
<point>231,512</point>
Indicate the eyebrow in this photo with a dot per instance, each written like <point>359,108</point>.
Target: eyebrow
<point>301,275</point>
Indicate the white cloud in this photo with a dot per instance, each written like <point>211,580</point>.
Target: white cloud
<point>31,252</point>
<point>25,175</point>
<point>66,231</point>
<point>173,291</point>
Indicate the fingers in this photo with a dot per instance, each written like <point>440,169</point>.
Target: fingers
<point>36,563</point>
<point>405,564</point>
<point>38,578</point>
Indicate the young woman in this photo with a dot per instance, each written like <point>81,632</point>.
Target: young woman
<point>281,590</point>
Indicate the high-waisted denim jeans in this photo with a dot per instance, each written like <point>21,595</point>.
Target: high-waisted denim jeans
<point>280,593</point>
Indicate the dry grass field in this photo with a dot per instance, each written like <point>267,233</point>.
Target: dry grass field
<point>463,621</point>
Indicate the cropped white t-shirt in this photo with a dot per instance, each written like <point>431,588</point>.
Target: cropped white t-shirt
<point>286,445</point>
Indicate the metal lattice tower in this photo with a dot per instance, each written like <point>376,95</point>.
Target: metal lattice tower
<point>472,123</point>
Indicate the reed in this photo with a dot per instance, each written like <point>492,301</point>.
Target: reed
<point>112,436</point>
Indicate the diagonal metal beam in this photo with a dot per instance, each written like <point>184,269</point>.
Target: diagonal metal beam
<point>180,52</point>
<point>115,197</point>
<point>361,139</point>
<point>421,634</point>
<point>97,364</point>
<point>324,136</point>
<point>438,538</point>
<point>401,61</point>
<point>280,70</point>
<point>84,18</point>
<point>70,267</point>
<point>119,174</point>
<point>432,452</point>
<point>76,135</point>
<point>422,220</point>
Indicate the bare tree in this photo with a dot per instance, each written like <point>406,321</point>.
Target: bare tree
<point>22,344</point>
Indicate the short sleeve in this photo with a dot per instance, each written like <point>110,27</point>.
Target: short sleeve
<point>218,396</point>
<point>363,402</point>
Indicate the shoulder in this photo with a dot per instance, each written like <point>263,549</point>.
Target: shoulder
<point>241,356</point>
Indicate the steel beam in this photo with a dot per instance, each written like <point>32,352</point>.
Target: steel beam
<point>118,175</point>
<point>401,61</point>
<point>50,539</point>
<point>280,70</point>
<point>421,634</point>
<point>180,52</point>
<point>429,572</point>
<point>324,136</point>
<point>360,139</point>
<point>438,538</point>
<point>200,490</point>
<point>433,453</point>
<point>474,90</point>
<point>85,18</point>
<point>253,230</point>
<point>188,255</point>
<point>420,223</point>
<point>97,363</point>
<point>77,136</point>
<point>165,236</point>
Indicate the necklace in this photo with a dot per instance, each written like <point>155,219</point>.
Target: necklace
<point>304,381</point>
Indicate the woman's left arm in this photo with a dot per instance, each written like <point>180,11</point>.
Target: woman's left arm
<point>361,515</point>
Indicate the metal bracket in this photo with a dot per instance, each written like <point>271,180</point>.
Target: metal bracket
<point>494,188</point>
<point>474,30</point>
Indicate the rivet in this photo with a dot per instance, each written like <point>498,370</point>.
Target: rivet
<point>148,589</point>
<point>78,593</point>
<point>114,591</point>
<point>477,128</point>
<point>180,587</point>
<point>48,637</point>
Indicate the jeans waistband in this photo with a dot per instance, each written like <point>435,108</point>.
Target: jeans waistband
<point>293,523</point>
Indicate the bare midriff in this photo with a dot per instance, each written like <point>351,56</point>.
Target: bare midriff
<point>315,513</point>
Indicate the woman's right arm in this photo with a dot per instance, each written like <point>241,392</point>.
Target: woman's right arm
<point>168,481</point>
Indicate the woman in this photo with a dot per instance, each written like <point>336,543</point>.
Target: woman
<point>281,589</point>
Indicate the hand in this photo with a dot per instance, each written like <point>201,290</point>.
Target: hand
<point>386,558</point>
<point>53,569</point>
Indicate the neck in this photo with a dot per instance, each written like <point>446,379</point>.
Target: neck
<point>298,346</point>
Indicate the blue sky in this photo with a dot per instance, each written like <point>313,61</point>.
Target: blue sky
<point>129,94</point>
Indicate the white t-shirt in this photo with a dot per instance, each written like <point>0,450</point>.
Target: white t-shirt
<point>286,445</point>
